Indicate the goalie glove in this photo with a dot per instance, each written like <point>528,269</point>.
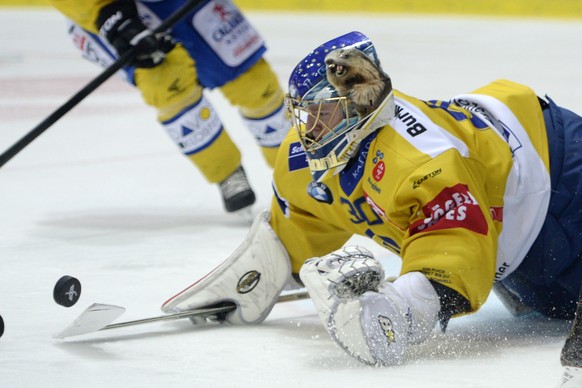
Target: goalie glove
<point>371,319</point>
<point>120,25</point>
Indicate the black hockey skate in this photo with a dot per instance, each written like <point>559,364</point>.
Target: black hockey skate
<point>236,192</point>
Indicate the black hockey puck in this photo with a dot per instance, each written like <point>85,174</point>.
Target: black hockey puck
<point>67,291</point>
<point>1,326</point>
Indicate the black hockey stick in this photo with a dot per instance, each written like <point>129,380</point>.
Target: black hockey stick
<point>98,317</point>
<point>91,86</point>
<point>572,350</point>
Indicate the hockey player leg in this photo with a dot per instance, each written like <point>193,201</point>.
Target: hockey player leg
<point>372,320</point>
<point>198,131</point>
<point>188,117</point>
<point>259,97</point>
<point>194,125</point>
<point>252,278</point>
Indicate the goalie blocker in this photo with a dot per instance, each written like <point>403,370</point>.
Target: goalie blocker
<point>251,278</point>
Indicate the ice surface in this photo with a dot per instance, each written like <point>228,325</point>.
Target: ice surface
<point>104,196</point>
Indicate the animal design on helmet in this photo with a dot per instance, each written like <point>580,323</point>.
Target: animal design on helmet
<point>338,95</point>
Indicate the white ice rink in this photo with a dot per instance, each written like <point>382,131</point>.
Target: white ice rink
<point>104,196</point>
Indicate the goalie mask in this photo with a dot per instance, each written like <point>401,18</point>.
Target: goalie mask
<point>338,95</point>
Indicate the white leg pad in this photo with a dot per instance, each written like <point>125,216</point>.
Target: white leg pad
<point>252,278</point>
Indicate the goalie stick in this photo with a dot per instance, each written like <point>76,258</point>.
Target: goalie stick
<point>98,316</point>
<point>91,86</point>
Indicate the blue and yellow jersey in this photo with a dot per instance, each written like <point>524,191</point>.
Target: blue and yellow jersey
<point>458,189</point>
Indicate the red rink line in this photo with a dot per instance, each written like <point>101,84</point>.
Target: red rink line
<point>22,87</point>
<point>38,111</point>
<point>37,97</point>
<point>48,165</point>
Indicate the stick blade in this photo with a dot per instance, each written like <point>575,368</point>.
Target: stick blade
<point>571,377</point>
<point>93,319</point>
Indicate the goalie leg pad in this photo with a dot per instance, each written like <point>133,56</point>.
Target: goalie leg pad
<point>252,278</point>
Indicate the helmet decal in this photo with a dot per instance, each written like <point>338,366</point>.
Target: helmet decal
<point>336,95</point>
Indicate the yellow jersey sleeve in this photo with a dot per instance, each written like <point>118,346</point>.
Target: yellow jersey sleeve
<point>84,12</point>
<point>450,236</point>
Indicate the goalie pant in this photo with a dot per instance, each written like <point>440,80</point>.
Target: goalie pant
<point>549,278</point>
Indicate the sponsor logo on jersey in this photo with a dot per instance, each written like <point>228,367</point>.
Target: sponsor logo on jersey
<point>220,11</point>
<point>351,176</point>
<point>413,126</point>
<point>374,186</point>
<point>358,169</point>
<point>380,167</point>
<point>297,158</point>
<point>500,274</point>
<point>454,207</point>
<point>323,163</point>
<point>459,112</point>
<point>248,282</point>
<point>510,137</point>
<point>473,107</point>
<point>229,34</point>
<point>496,213</point>
<point>92,49</point>
<point>230,21</point>
<point>418,182</point>
<point>320,192</point>
<point>79,41</point>
<point>233,28</point>
<point>378,171</point>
